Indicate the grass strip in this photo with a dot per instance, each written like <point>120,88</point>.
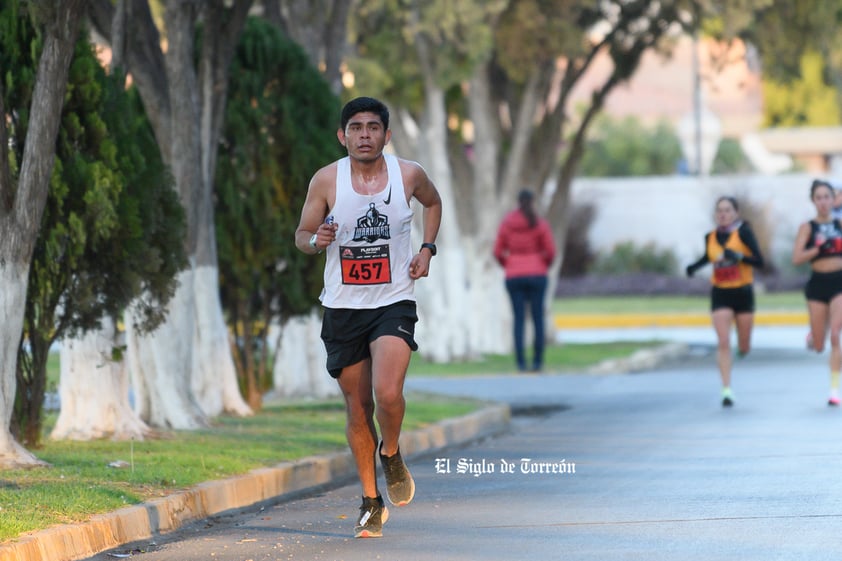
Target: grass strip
<point>79,482</point>
<point>570,357</point>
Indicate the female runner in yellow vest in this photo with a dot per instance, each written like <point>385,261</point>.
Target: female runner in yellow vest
<point>733,250</point>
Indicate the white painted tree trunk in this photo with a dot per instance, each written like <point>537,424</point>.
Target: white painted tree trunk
<point>214,379</point>
<point>302,374</point>
<point>491,311</point>
<point>13,280</point>
<point>443,302</point>
<point>94,391</point>
<point>161,363</point>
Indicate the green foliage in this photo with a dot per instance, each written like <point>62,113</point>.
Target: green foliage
<point>803,101</point>
<point>784,30</point>
<point>112,225</point>
<point>392,38</point>
<point>786,35</point>
<point>626,147</point>
<point>625,257</point>
<point>531,31</point>
<point>730,158</point>
<point>280,127</point>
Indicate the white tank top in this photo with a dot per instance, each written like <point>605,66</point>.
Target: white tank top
<point>368,263</point>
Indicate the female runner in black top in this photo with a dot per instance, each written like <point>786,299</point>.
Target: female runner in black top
<point>819,242</point>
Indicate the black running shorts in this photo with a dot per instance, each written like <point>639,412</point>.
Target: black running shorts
<point>740,299</point>
<point>347,333</point>
<point>823,287</point>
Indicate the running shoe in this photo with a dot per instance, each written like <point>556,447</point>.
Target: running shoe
<point>833,401</point>
<point>373,514</point>
<point>400,487</point>
<point>727,397</point>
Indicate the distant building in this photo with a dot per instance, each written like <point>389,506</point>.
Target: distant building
<point>816,150</point>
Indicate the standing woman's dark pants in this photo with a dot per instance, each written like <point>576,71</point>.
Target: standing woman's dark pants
<point>529,291</point>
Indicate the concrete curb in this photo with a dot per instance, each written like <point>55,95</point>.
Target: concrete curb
<point>643,359</point>
<point>78,541</point>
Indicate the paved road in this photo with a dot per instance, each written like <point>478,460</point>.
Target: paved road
<point>662,472</point>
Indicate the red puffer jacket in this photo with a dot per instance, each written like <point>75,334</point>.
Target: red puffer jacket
<point>524,251</point>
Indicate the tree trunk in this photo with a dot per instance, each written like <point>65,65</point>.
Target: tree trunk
<point>319,27</point>
<point>22,205</point>
<point>160,363</point>
<point>214,380</point>
<point>214,377</point>
<point>302,374</point>
<point>446,320</point>
<point>94,390</point>
<point>13,279</point>
<point>188,107</point>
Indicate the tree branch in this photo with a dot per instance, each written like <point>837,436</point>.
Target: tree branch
<point>144,59</point>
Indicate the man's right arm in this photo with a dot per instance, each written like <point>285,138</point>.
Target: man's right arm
<point>313,215</point>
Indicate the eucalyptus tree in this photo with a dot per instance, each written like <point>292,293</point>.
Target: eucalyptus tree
<point>183,372</point>
<point>482,91</point>
<point>798,50</point>
<point>135,262</point>
<point>25,182</point>
<point>110,231</point>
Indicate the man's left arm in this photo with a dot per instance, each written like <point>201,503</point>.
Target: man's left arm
<point>425,193</point>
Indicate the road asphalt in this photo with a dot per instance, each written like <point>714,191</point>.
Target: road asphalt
<point>644,465</point>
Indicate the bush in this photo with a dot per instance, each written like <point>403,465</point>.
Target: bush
<point>626,147</point>
<point>626,258</point>
<point>730,158</point>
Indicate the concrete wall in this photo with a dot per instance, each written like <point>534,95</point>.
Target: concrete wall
<point>675,212</point>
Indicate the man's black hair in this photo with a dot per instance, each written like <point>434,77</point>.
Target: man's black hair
<point>365,105</point>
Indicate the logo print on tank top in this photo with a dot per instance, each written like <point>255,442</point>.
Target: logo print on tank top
<point>373,226</point>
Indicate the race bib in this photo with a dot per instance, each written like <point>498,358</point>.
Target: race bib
<point>365,265</point>
<point>726,272</point>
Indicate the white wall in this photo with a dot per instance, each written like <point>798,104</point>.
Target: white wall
<point>675,212</point>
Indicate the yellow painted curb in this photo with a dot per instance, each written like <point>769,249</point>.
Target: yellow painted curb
<point>608,321</point>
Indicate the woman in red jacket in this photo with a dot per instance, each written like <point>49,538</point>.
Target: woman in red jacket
<point>525,248</point>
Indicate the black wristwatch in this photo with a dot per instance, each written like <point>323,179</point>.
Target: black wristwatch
<point>430,246</point>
